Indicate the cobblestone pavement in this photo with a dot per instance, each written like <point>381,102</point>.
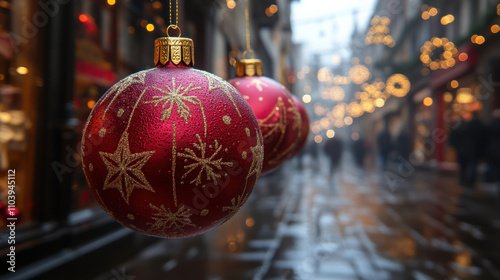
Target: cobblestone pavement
<point>304,223</point>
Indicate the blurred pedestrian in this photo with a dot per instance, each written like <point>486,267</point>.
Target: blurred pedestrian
<point>359,151</point>
<point>468,138</point>
<point>333,148</point>
<point>385,146</point>
<point>492,150</point>
<point>403,147</point>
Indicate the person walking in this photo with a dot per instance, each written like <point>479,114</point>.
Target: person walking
<point>468,139</point>
<point>384,143</point>
<point>333,148</point>
<point>492,150</point>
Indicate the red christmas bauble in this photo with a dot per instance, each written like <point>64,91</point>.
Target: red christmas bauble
<point>304,132</point>
<point>279,119</point>
<point>172,151</point>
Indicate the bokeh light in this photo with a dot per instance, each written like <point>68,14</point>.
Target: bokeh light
<point>306,98</point>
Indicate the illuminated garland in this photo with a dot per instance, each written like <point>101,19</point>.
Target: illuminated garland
<point>445,60</point>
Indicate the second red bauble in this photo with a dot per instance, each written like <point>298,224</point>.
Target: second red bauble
<point>279,119</point>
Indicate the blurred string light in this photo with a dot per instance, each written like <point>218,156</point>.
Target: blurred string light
<point>454,84</point>
<point>368,60</point>
<point>378,33</point>
<point>427,101</point>
<point>354,109</point>
<point>150,27</point>
<point>318,139</point>
<point>156,5</point>
<point>359,74</point>
<point>334,93</point>
<point>495,28</point>
<point>445,59</point>
<point>91,104</point>
<point>447,19</point>
<point>448,97</point>
<point>21,70</point>
<point>379,102</point>
<point>463,57</point>
<point>271,10</point>
<point>464,96</point>
<point>428,12</point>
<point>83,17</point>
<point>355,136</point>
<point>231,4</point>
<point>398,85</point>
<point>306,98</point>
<point>303,72</point>
<point>498,9</point>
<point>330,133</point>
<point>111,2</point>
<point>477,39</point>
<point>319,110</point>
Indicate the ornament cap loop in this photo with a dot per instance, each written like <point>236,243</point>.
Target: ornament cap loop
<point>249,67</point>
<point>175,50</point>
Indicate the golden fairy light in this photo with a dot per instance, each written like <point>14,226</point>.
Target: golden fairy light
<point>447,19</point>
<point>427,101</point>
<point>464,96</point>
<point>379,102</point>
<point>448,97</point>
<point>354,109</point>
<point>368,106</point>
<point>398,85</point>
<point>334,93</point>
<point>338,123</point>
<point>319,110</point>
<point>359,74</point>
<point>445,60</point>
<point>306,98</point>
<point>338,111</point>
<point>378,33</point>
<point>495,28</point>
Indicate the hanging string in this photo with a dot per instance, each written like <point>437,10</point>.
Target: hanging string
<point>174,25</point>
<point>176,12</point>
<point>247,21</point>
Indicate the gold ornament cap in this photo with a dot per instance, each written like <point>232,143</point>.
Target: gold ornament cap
<point>175,50</point>
<point>249,67</point>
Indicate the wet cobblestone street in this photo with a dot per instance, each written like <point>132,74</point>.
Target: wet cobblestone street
<point>304,223</point>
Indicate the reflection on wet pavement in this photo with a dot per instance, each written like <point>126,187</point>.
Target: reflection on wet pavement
<point>303,223</point>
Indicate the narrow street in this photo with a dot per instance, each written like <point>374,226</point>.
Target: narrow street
<point>303,223</point>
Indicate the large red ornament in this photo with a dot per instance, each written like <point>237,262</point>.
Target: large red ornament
<point>172,151</point>
<point>272,103</point>
<point>304,132</point>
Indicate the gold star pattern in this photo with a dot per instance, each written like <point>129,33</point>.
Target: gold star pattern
<point>175,95</point>
<point>214,82</point>
<point>280,125</point>
<point>236,204</point>
<point>124,169</point>
<point>166,219</point>
<point>257,158</point>
<point>209,165</point>
<point>258,84</point>
<point>297,118</point>
<point>121,86</point>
